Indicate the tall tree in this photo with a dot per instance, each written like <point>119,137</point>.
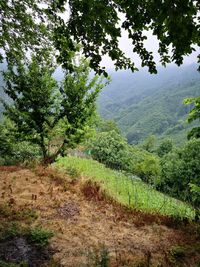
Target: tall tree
<point>53,117</point>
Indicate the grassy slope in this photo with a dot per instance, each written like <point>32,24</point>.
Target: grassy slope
<point>129,192</point>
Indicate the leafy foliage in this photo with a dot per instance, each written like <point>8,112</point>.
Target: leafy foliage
<point>173,23</point>
<point>112,149</point>
<point>44,114</point>
<point>165,147</point>
<point>22,28</point>
<point>6,138</point>
<point>149,143</point>
<point>194,115</point>
<point>30,25</point>
<point>107,126</point>
<point>180,169</point>
<point>39,236</point>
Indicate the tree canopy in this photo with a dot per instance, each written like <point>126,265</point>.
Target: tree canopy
<point>194,115</point>
<point>52,115</point>
<point>97,26</point>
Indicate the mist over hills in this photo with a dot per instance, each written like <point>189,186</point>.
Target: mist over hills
<point>143,104</point>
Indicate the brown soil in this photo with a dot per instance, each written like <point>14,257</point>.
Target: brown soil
<point>85,222</point>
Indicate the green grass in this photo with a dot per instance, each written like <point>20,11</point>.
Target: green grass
<point>130,192</point>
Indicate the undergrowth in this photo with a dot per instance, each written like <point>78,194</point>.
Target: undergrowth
<point>16,221</point>
<point>128,191</point>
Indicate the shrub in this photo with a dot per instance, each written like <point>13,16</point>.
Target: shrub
<point>113,150</point>
<point>165,147</point>
<point>180,169</point>
<point>39,236</point>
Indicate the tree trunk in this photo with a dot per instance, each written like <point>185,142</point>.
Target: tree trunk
<point>48,159</point>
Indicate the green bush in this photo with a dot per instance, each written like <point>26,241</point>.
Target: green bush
<point>39,236</point>
<point>165,147</point>
<point>113,150</point>
<point>24,151</point>
<point>148,168</point>
<point>180,170</point>
<point>13,151</point>
<point>10,230</point>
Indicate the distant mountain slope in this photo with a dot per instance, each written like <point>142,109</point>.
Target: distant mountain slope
<point>144,104</point>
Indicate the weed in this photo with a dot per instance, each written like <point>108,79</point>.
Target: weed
<point>9,230</point>
<point>72,172</point>
<point>39,236</point>
<point>176,254</point>
<point>98,257</point>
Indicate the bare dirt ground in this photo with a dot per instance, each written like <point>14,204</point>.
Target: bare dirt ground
<point>85,223</point>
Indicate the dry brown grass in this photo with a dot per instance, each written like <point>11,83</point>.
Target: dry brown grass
<point>83,219</point>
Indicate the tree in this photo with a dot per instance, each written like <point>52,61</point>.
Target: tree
<point>22,28</point>
<point>97,27</point>
<point>149,143</point>
<point>111,149</point>
<point>180,172</point>
<point>165,147</point>
<point>107,126</point>
<point>52,117</point>
<point>194,114</point>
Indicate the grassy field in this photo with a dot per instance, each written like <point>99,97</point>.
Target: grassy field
<point>128,191</point>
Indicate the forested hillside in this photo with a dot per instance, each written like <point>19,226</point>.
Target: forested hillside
<point>143,104</point>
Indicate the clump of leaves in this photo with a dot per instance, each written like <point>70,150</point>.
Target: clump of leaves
<point>39,236</point>
<point>10,230</point>
<point>180,173</point>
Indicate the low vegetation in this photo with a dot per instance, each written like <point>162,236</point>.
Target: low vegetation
<point>21,243</point>
<point>129,191</point>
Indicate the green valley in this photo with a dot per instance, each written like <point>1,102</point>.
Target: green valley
<point>143,104</point>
